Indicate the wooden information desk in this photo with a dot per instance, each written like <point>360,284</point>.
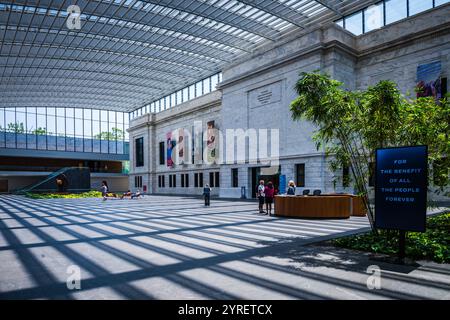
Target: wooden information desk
<point>323,206</point>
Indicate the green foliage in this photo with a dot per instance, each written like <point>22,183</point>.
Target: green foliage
<point>39,131</point>
<point>381,107</point>
<point>434,244</point>
<point>14,127</point>
<point>114,135</point>
<point>353,124</point>
<point>89,194</point>
<point>427,122</point>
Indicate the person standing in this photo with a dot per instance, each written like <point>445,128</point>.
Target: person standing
<point>207,194</point>
<point>104,189</point>
<point>291,188</point>
<point>260,195</point>
<point>269,192</point>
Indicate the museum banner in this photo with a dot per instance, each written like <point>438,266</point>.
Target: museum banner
<point>211,142</point>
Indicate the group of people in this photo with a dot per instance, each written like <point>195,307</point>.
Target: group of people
<point>128,194</point>
<point>266,193</point>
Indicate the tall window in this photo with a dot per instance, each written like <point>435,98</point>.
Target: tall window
<point>172,180</point>
<point>211,179</point>
<point>300,173</point>
<point>138,181</point>
<point>161,181</point>
<point>139,152</point>
<point>214,179</point>
<point>161,153</point>
<point>185,180</point>
<point>217,179</point>
<point>234,178</point>
<point>200,179</point>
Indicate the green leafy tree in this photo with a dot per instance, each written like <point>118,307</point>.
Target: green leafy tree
<point>39,131</point>
<point>113,135</point>
<point>426,122</point>
<point>352,125</point>
<point>15,127</point>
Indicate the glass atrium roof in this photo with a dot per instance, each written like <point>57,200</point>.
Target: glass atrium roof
<point>128,53</point>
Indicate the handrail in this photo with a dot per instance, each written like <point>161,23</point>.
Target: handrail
<point>49,177</point>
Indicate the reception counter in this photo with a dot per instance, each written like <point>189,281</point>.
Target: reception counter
<point>323,206</point>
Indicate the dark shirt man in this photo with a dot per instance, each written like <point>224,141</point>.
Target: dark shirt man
<point>207,194</point>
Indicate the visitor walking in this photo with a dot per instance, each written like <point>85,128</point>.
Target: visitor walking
<point>207,194</point>
<point>260,195</point>
<point>269,192</point>
<point>291,188</point>
<point>104,189</point>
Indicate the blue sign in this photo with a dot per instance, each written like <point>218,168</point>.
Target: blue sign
<point>401,188</point>
<point>282,184</point>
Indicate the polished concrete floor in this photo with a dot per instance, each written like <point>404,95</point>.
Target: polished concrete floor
<point>162,247</point>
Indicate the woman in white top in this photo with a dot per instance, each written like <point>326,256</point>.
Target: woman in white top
<point>104,189</point>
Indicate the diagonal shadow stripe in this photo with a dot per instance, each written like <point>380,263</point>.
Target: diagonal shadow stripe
<point>52,290</point>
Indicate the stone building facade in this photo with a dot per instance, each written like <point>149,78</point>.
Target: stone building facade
<point>256,92</point>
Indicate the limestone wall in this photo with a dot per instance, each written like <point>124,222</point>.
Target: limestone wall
<point>256,92</point>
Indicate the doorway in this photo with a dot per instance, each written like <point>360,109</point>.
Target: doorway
<point>257,176</point>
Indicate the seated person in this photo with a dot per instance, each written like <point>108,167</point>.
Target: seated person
<point>132,195</point>
<point>136,195</point>
<point>126,194</point>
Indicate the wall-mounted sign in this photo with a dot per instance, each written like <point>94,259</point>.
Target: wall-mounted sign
<point>401,188</point>
<point>265,95</point>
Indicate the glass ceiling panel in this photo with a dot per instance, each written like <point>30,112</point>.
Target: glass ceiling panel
<point>130,53</point>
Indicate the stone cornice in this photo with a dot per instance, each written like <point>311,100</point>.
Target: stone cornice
<point>319,47</point>
<point>364,45</point>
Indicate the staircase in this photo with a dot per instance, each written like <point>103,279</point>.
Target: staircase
<point>79,180</point>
